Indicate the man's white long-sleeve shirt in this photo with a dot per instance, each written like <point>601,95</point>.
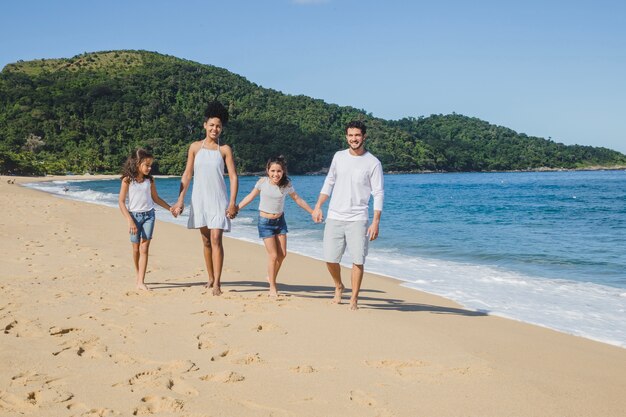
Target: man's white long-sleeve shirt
<point>350,181</point>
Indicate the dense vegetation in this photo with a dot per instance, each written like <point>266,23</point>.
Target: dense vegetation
<point>86,113</point>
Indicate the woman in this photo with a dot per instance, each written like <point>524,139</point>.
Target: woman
<point>211,210</point>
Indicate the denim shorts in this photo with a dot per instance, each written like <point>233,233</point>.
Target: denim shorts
<point>145,225</point>
<point>272,227</point>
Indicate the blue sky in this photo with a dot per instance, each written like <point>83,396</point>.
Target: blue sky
<point>554,69</point>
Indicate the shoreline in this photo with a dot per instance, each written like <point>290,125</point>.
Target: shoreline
<point>80,177</point>
<point>481,298</point>
<point>79,339</point>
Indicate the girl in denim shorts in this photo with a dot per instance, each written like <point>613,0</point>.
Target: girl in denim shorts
<point>273,189</point>
<point>139,186</point>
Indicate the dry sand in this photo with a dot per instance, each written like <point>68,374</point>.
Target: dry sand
<point>77,339</point>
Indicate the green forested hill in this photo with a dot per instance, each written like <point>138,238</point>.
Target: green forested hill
<point>87,112</point>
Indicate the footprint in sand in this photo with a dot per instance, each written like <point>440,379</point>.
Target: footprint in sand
<point>402,368</point>
<point>181,387</point>
<point>362,398</point>
<point>414,368</point>
<point>23,328</point>
<point>269,327</point>
<point>303,369</point>
<point>206,341</point>
<point>90,348</point>
<point>215,324</point>
<point>60,331</point>
<point>92,412</point>
<point>222,354</point>
<point>225,377</point>
<point>249,359</point>
<point>205,313</point>
<point>138,293</point>
<point>9,327</point>
<point>168,376</point>
<point>123,359</point>
<point>5,310</point>
<point>30,391</point>
<point>145,378</point>
<point>158,405</point>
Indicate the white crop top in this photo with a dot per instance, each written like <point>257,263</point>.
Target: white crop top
<point>272,196</point>
<point>140,196</point>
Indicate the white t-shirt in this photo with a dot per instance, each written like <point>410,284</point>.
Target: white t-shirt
<point>140,196</point>
<point>272,196</point>
<point>350,181</point>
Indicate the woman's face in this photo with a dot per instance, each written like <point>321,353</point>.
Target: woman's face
<point>213,127</point>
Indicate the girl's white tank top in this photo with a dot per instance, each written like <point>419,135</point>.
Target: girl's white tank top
<point>140,196</point>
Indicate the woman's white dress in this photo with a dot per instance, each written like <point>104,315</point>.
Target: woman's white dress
<point>208,196</point>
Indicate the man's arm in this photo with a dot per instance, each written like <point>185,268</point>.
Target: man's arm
<point>378,192</point>
<point>372,230</point>
<point>317,215</point>
<point>327,189</point>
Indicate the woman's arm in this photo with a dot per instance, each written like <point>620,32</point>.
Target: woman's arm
<point>185,180</point>
<point>227,154</point>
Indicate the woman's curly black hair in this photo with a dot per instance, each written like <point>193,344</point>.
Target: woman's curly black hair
<point>216,109</point>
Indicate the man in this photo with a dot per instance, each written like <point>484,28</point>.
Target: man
<point>354,175</point>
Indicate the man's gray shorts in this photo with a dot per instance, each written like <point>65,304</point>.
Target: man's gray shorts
<point>338,234</point>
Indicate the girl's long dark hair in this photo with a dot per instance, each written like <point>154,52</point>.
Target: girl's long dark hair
<point>280,160</point>
<point>130,169</point>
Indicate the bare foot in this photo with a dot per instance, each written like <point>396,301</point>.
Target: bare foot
<point>142,286</point>
<point>338,294</point>
<point>353,305</point>
<point>209,284</point>
<point>217,290</point>
<point>273,292</point>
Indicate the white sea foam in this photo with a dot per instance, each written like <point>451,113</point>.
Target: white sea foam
<point>67,190</point>
<point>580,308</point>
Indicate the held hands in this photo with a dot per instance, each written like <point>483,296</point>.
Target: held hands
<point>232,211</point>
<point>317,215</point>
<point>176,209</point>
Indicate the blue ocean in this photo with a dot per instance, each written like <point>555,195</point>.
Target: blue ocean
<point>547,248</point>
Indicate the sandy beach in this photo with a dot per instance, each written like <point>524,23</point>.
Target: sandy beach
<point>78,340</point>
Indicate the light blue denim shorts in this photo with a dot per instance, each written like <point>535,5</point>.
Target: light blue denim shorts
<point>272,227</point>
<point>145,225</point>
<point>339,234</point>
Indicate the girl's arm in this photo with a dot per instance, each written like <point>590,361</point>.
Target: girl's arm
<point>156,198</point>
<point>185,180</point>
<point>227,153</point>
<point>121,201</point>
<point>299,201</point>
<point>248,199</point>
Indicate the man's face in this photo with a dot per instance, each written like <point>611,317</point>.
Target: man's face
<point>355,138</point>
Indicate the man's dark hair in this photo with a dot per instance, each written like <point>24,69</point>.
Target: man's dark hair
<point>216,109</point>
<point>356,124</point>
